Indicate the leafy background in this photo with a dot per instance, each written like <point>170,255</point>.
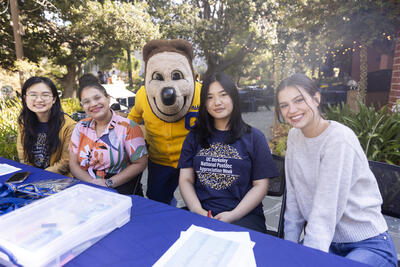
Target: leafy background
<point>377,130</point>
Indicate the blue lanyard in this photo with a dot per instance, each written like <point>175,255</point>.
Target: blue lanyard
<point>13,197</point>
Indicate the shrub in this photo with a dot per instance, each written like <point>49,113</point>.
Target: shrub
<point>377,130</point>
<point>279,139</point>
<point>71,105</point>
<point>9,112</point>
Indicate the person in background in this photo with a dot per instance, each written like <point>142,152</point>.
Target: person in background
<point>44,130</point>
<point>114,77</point>
<point>225,163</point>
<point>101,77</point>
<point>331,190</point>
<point>106,149</point>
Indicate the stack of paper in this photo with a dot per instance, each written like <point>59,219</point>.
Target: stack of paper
<point>6,169</point>
<point>203,247</point>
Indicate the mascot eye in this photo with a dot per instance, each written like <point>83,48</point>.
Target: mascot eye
<point>177,75</point>
<point>157,76</point>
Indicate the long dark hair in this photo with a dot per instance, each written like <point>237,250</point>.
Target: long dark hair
<point>297,80</point>
<point>205,122</point>
<point>29,122</point>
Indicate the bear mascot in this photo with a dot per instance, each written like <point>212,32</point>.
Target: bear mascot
<point>168,105</point>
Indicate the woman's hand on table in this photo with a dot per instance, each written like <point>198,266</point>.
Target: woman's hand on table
<point>226,216</point>
<point>100,182</point>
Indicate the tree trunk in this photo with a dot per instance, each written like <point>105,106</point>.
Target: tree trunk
<point>128,50</point>
<point>68,81</point>
<point>213,61</point>
<point>238,80</point>
<point>216,63</point>
<point>363,72</point>
<point>19,52</point>
<point>16,29</point>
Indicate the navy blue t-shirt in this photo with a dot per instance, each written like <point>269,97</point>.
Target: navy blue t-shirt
<point>224,172</point>
<point>41,151</point>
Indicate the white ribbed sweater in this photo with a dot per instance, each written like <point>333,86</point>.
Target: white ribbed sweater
<point>330,186</point>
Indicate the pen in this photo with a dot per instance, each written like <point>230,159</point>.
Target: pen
<point>209,214</point>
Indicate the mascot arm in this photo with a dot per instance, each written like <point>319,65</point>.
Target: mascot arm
<point>137,110</point>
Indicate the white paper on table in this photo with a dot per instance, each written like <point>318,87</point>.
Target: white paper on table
<point>201,247</point>
<point>6,169</point>
<point>242,237</point>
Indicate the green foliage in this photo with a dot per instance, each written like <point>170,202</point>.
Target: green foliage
<point>9,78</point>
<point>114,26</point>
<point>279,139</point>
<point>34,32</point>
<point>255,69</point>
<point>223,32</point>
<point>377,130</point>
<point>280,148</point>
<point>44,67</point>
<point>9,112</point>
<point>71,105</point>
<point>70,33</point>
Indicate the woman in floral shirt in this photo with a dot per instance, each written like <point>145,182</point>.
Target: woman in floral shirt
<point>106,149</point>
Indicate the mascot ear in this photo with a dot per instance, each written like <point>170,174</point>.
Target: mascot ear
<point>150,47</point>
<point>184,47</point>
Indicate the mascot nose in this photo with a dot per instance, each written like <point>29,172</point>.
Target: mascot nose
<point>168,96</point>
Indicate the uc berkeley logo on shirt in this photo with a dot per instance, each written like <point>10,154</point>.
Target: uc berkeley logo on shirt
<point>191,117</point>
<point>215,168</point>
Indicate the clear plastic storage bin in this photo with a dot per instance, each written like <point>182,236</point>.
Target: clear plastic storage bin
<point>53,230</point>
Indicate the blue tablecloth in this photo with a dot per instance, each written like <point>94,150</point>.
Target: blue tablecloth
<point>154,227</point>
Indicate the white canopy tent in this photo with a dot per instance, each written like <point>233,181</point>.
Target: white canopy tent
<point>119,94</point>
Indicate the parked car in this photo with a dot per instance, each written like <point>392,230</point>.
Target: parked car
<point>333,94</point>
<point>252,97</point>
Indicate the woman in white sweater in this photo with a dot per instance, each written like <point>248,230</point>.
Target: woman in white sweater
<point>330,189</point>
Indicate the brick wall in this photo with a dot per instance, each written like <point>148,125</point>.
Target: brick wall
<point>395,83</point>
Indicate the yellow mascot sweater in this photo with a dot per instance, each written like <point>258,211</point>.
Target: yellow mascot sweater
<point>165,139</point>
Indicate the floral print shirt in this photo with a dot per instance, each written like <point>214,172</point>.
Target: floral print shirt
<point>121,143</point>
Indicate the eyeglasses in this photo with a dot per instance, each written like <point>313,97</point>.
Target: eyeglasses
<point>45,97</point>
<point>86,102</point>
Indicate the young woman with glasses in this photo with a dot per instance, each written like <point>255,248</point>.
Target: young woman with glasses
<point>106,149</point>
<point>44,130</point>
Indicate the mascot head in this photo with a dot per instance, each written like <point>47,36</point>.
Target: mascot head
<point>169,78</point>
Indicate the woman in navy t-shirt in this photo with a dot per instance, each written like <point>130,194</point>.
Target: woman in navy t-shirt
<point>225,163</point>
